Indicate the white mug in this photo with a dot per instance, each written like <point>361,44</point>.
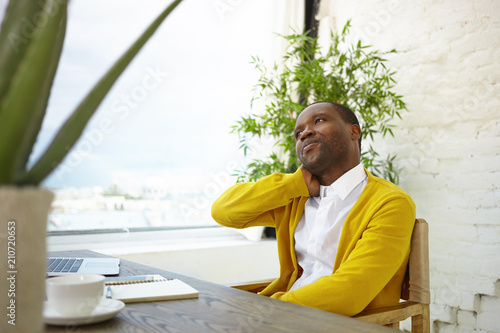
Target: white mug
<point>75,295</point>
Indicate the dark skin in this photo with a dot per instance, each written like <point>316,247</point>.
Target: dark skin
<point>326,145</point>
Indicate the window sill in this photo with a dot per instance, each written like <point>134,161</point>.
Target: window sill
<point>218,255</point>
<point>144,241</point>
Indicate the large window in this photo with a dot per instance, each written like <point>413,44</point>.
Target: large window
<point>158,151</point>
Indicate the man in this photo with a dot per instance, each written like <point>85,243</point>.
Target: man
<point>343,235</point>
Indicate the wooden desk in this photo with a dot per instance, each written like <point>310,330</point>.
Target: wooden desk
<point>218,309</point>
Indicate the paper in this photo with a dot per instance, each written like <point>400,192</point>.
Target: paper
<point>153,291</point>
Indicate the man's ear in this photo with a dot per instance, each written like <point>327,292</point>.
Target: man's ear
<point>355,132</point>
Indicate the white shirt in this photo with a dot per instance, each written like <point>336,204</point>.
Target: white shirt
<point>318,233</point>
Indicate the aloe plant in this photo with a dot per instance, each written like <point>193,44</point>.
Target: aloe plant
<point>28,63</point>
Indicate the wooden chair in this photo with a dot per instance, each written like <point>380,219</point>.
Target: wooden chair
<point>253,287</point>
<point>415,291</point>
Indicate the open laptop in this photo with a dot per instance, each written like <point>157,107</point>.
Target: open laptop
<point>70,265</point>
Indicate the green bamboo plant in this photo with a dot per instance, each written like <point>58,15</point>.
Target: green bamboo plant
<point>350,74</point>
<point>28,62</point>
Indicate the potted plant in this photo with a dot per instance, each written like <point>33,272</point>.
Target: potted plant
<point>350,74</point>
<point>31,40</point>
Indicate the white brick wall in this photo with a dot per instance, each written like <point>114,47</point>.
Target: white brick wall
<point>448,70</point>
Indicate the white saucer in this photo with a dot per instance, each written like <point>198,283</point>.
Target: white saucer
<point>107,309</point>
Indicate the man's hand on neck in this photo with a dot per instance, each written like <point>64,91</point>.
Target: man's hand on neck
<point>311,181</point>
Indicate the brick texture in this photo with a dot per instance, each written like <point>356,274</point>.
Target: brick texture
<point>448,70</point>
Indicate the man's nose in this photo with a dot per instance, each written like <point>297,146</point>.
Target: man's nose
<point>306,133</point>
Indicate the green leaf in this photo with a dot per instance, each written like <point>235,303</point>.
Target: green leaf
<point>43,92</point>
<point>75,124</point>
<point>23,107</point>
<point>18,27</point>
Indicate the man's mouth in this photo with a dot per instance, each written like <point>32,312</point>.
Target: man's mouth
<point>308,146</point>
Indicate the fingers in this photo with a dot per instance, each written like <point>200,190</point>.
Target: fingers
<point>312,182</point>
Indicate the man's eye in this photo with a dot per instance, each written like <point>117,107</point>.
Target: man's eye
<point>319,120</point>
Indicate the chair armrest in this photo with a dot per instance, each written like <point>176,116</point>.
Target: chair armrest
<point>254,287</point>
<point>391,314</point>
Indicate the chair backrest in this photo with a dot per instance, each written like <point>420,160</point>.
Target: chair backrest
<point>416,286</point>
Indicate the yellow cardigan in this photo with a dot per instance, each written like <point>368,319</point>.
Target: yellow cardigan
<point>372,253</point>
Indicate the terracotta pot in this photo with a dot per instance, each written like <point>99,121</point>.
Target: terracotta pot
<point>23,229</point>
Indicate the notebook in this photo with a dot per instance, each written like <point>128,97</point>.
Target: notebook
<point>65,265</point>
<point>148,289</point>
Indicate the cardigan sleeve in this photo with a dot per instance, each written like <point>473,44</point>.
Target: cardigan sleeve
<point>255,204</point>
<point>376,257</point>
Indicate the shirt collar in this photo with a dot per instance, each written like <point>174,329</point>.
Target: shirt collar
<point>345,184</point>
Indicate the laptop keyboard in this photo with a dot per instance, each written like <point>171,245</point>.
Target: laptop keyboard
<point>63,265</point>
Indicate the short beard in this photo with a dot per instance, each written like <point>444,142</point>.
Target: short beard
<point>331,153</point>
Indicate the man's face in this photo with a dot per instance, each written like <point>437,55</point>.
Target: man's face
<point>323,139</point>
